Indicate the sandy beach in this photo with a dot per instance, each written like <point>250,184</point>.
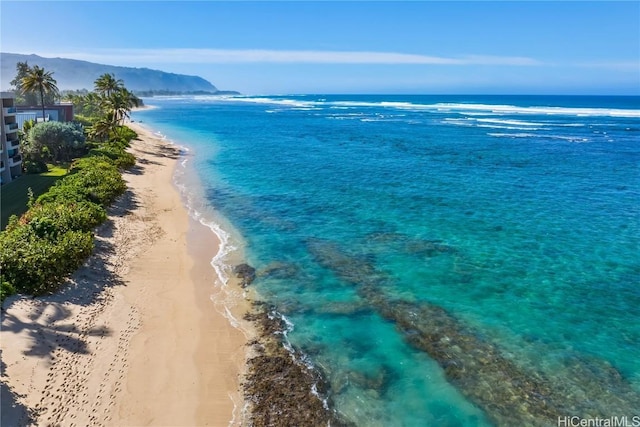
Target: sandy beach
<point>134,338</point>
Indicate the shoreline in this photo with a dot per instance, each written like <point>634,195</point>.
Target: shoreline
<point>132,339</point>
<point>212,351</point>
<point>216,305</point>
<point>277,383</point>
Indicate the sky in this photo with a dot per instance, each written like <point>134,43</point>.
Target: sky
<point>421,47</point>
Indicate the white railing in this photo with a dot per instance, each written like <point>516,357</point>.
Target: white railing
<point>15,160</point>
<point>11,127</point>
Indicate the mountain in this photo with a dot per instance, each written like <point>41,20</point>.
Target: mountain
<point>75,74</point>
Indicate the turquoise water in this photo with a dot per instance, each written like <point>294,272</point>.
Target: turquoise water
<point>519,216</point>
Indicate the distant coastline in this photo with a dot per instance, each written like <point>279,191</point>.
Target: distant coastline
<point>152,93</point>
<point>141,81</point>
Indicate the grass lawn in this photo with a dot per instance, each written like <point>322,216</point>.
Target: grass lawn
<point>13,196</point>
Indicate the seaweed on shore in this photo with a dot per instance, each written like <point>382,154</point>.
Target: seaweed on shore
<point>280,388</point>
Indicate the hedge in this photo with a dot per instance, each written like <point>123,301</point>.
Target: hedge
<point>36,265</point>
<point>53,238</point>
<point>96,179</point>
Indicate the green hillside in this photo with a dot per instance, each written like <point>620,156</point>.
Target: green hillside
<point>74,74</point>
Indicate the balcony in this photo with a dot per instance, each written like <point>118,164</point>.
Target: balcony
<point>13,143</point>
<point>7,111</point>
<point>2,168</point>
<point>11,127</point>
<point>15,160</point>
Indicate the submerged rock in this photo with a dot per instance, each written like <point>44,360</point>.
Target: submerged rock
<point>377,382</point>
<point>280,388</point>
<point>279,270</point>
<point>245,273</point>
<point>509,393</point>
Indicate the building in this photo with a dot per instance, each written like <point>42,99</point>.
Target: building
<point>62,112</point>
<point>10,157</point>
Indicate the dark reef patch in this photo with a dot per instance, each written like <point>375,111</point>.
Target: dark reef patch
<point>280,388</point>
<point>279,270</point>
<point>509,392</point>
<point>245,273</point>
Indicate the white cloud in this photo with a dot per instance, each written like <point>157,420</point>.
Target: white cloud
<point>231,56</point>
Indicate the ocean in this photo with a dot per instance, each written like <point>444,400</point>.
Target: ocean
<point>441,260</point>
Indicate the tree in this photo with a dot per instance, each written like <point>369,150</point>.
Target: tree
<point>55,141</point>
<point>107,84</point>
<point>119,103</point>
<point>24,132</point>
<point>22,97</point>
<point>88,105</point>
<point>115,101</point>
<point>101,128</point>
<point>42,81</point>
<point>115,109</point>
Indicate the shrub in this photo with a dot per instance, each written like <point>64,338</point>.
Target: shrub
<point>92,163</point>
<point>59,141</point>
<point>120,158</point>
<point>65,190</point>
<point>115,143</point>
<point>124,134</point>
<point>54,218</point>
<point>93,178</point>
<point>84,121</point>
<point>37,265</point>
<point>101,178</point>
<point>34,166</point>
<point>6,289</point>
<point>53,238</point>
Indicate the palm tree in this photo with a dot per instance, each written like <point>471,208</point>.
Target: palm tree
<point>91,104</point>
<point>107,84</point>
<point>101,128</point>
<point>128,102</point>
<point>119,105</point>
<point>42,81</point>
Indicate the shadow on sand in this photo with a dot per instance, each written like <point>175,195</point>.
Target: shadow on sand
<point>50,324</point>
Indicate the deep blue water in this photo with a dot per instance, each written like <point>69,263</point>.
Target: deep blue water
<point>518,215</point>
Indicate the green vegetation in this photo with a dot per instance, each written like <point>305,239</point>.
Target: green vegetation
<point>53,238</point>
<point>36,264</point>
<point>14,196</point>
<point>116,153</point>
<point>50,217</point>
<point>106,108</point>
<point>5,290</point>
<point>95,179</point>
<point>37,79</point>
<point>54,141</point>
<point>28,97</point>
